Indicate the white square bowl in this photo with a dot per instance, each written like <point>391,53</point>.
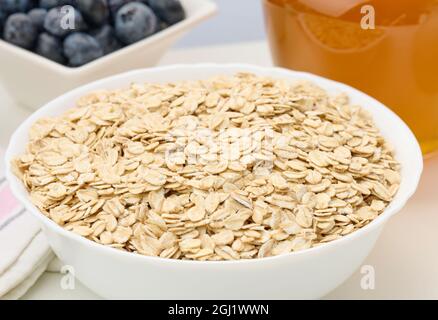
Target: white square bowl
<point>32,80</point>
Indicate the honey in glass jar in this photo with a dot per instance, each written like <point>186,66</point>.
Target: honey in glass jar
<point>386,48</point>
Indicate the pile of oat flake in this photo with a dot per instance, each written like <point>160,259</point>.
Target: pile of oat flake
<point>233,167</point>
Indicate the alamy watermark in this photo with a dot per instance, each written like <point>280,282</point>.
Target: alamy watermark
<point>368,20</point>
<point>368,279</point>
<point>68,280</point>
<point>248,148</point>
<point>68,18</point>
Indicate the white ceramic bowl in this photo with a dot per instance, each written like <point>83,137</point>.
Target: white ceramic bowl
<point>33,80</point>
<point>310,273</point>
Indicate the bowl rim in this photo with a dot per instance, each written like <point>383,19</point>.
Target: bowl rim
<point>202,9</point>
<point>395,206</point>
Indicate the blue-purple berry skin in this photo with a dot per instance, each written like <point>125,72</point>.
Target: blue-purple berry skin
<point>169,11</point>
<point>81,48</point>
<point>134,22</point>
<point>49,4</point>
<point>38,16</point>
<point>53,23</point>
<point>50,47</point>
<point>20,31</point>
<point>115,5</point>
<point>95,12</point>
<point>107,39</point>
<point>14,6</point>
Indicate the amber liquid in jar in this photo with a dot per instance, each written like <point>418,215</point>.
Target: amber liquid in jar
<point>396,61</point>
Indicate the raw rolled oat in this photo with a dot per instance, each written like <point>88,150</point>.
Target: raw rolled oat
<point>233,167</point>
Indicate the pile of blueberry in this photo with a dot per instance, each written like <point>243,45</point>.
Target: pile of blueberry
<point>75,32</point>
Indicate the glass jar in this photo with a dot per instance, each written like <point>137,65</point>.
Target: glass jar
<point>386,48</point>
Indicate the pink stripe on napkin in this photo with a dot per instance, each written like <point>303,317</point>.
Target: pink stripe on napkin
<point>8,203</point>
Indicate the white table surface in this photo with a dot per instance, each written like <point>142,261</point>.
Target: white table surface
<point>405,258</point>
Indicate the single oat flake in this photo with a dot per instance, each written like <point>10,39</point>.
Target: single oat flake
<point>233,167</point>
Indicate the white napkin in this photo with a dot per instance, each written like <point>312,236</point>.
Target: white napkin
<point>24,251</point>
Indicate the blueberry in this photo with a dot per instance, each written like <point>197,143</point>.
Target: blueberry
<point>95,12</point>
<point>13,6</point>
<point>61,21</point>
<point>135,21</point>
<point>170,11</point>
<point>50,47</point>
<point>115,5</point>
<point>107,39</point>
<point>20,30</point>
<point>49,4</point>
<point>81,48</point>
<point>37,16</point>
